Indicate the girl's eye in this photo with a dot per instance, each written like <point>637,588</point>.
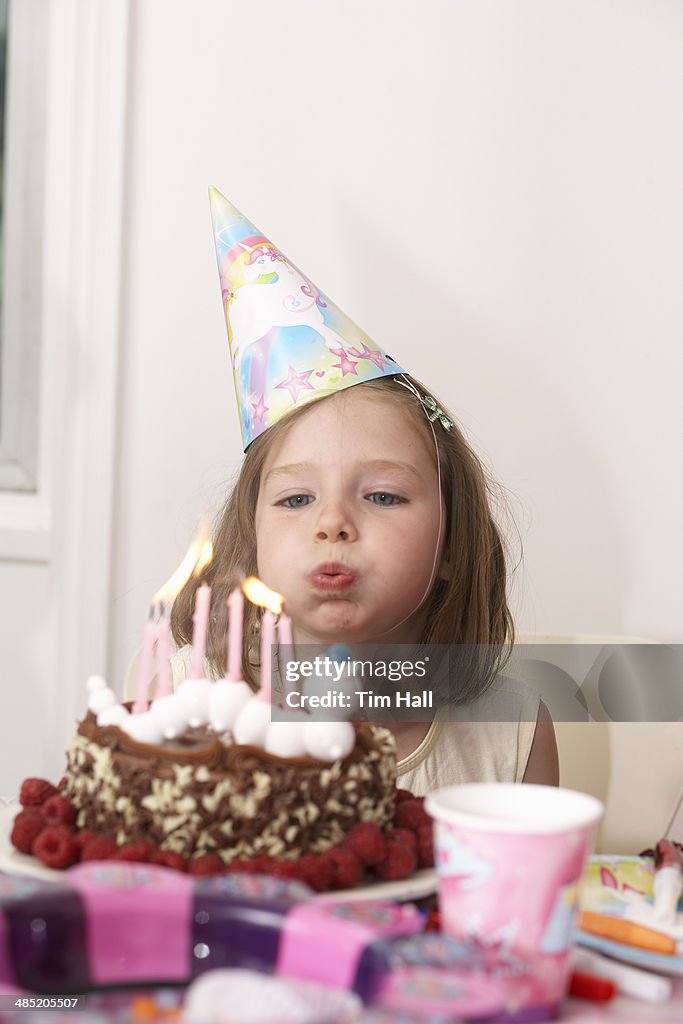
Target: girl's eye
<point>383,499</point>
<point>296,501</point>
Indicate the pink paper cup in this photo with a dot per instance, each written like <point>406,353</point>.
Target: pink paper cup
<point>509,859</point>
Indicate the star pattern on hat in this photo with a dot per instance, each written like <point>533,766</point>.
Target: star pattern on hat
<point>260,409</point>
<point>374,355</point>
<point>345,364</point>
<point>279,321</point>
<point>296,382</point>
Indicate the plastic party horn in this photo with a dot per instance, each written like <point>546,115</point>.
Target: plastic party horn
<point>509,859</point>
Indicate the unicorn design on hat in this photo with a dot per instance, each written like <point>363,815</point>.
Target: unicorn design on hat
<point>283,297</point>
<point>289,343</point>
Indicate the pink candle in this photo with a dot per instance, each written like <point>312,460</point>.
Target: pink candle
<point>145,670</point>
<point>286,646</point>
<point>164,675</point>
<point>200,625</point>
<point>236,614</point>
<point>267,640</point>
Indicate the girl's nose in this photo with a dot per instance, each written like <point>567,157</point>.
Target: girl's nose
<point>334,524</point>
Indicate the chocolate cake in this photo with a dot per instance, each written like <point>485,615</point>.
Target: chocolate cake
<point>197,794</point>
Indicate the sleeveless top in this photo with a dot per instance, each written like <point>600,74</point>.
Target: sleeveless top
<point>486,741</point>
<point>457,751</point>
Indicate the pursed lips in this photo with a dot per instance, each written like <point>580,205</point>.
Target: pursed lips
<point>332,576</point>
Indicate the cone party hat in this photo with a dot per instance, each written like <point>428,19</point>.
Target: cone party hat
<point>289,344</point>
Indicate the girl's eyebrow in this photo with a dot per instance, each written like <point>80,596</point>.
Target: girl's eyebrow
<point>376,465</point>
<point>291,470</point>
<point>384,465</point>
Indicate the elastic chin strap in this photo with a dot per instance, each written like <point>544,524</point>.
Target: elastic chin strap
<point>408,384</point>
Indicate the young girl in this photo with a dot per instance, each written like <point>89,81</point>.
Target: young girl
<point>368,510</point>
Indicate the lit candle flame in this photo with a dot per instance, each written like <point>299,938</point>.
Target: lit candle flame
<point>258,593</point>
<point>177,581</point>
<point>199,555</point>
<point>204,557</point>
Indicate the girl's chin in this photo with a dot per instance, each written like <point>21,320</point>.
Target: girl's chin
<point>338,621</point>
<point>343,632</point>
<point>334,626</point>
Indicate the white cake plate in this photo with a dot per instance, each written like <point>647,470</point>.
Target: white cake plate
<point>419,885</point>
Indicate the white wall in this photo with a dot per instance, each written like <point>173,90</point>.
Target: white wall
<point>492,189</point>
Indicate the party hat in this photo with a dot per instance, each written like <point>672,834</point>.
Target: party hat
<point>289,344</point>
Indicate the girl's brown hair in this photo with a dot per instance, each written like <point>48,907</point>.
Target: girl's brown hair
<point>469,607</point>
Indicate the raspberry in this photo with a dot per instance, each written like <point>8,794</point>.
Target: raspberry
<point>138,853</point>
<point>35,792</point>
<point>56,847</point>
<point>169,859</point>
<point>400,862</point>
<point>347,870</point>
<point>433,921</point>
<point>403,794</point>
<point>242,866</point>
<point>205,864</point>
<point>410,814</point>
<point>315,871</point>
<point>287,869</point>
<point>99,848</point>
<point>263,865</point>
<point>425,846</point>
<point>27,827</point>
<point>402,835</point>
<point>82,838</point>
<point>367,841</point>
<point>57,810</point>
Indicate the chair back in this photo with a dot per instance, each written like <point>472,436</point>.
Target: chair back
<point>634,767</point>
